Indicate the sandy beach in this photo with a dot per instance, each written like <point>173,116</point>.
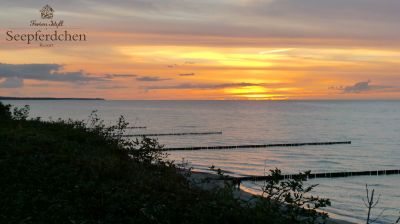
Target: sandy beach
<point>209,181</point>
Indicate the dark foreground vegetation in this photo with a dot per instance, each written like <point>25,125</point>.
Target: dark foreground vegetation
<point>76,172</point>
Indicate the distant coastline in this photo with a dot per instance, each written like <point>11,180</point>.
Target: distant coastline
<point>45,98</point>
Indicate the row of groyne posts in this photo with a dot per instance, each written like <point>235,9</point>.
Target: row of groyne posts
<point>266,178</point>
<point>316,175</point>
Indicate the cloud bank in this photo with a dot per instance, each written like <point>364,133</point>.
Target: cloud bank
<point>12,82</point>
<point>202,86</point>
<point>15,74</point>
<point>304,21</point>
<point>366,86</point>
<point>150,79</point>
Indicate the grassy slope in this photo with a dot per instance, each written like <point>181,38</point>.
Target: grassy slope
<point>53,173</point>
<point>60,172</point>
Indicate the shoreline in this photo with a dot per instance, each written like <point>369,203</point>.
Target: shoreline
<point>209,181</point>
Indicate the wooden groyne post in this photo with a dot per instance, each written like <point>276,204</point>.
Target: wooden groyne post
<point>174,134</point>
<point>136,127</point>
<point>256,146</point>
<point>133,127</point>
<point>319,175</point>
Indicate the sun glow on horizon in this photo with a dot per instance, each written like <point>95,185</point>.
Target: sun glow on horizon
<point>299,73</point>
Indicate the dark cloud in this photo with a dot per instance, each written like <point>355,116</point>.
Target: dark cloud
<point>358,87</point>
<point>203,86</point>
<point>111,87</point>
<point>40,85</point>
<point>12,82</point>
<point>110,76</point>
<point>150,79</point>
<point>187,74</point>
<point>15,74</point>
<point>365,86</point>
<point>45,72</point>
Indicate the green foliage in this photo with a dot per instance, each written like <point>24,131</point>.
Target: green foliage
<point>84,172</point>
<point>5,113</point>
<point>17,114</point>
<point>292,197</point>
<point>21,113</point>
<point>284,201</point>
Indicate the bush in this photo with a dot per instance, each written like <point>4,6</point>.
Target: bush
<point>5,113</point>
<point>292,197</point>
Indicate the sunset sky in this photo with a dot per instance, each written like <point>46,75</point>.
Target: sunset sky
<point>207,49</point>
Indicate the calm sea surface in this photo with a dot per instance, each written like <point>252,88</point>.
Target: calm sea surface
<point>372,126</point>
